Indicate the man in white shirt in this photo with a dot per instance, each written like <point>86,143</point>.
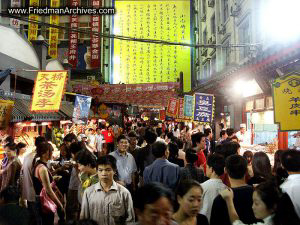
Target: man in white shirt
<point>107,202</point>
<point>291,162</point>
<point>214,169</point>
<point>99,141</point>
<point>243,136</point>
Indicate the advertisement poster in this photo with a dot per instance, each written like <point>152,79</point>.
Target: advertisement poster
<point>204,108</point>
<point>81,109</point>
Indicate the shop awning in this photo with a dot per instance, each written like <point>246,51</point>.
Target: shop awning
<point>21,111</point>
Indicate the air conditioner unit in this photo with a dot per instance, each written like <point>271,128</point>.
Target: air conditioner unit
<point>213,39</point>
<point>209,41</point>
<point>211,3</point>
<point>204,52</point>
<point>90,77</point>
<point>235,9</point>
<point>221,29</point>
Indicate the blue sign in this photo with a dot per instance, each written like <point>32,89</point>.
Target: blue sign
<point>204,108</point>
<point>188,105</point>
<point>81,108</point>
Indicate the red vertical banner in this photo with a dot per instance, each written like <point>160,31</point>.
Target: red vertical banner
<point>96,25</point>
<point>73,37</point>
<point>180,114</point>
<point>172,107</point>
<point>162,114</point>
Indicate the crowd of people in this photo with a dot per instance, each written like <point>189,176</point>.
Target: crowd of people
<point>147,175</point>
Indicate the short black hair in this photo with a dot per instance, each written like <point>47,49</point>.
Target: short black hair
<point>150,193</point>
<point>248,155</point>
<point>132,134</point>
<point>191,156</point>
<point>9,139</point>
<point>91,129</point>
<point>39,140</point>
<point>170,135</point>
<point>11,146</point>
<point>230,148</point>
<point>173,148</point>
<point>107,160</point>
<point>196,138</point>
<point>230,131</point>
<point>86,158</point>
<point>207,131</point>
<point>158,149</point>
<point>159,131</point>
<point>150,136</point>
<point>222,132</point>
<point>217,163</point>
<point>122,136</point>
<point>76,147</point>
<point>10,194</point>
<point>19,146</point>
<point>291,160</point>
<point>70,137</point>
<point>179,143</point>
<point>98,128</point>
<point>236,166</point>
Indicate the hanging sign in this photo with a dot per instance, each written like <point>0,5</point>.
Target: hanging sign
<point>162,114</point>
<point>286,97</point>
<point>73,37</point>
<point>172,107</point>
<point>53,32</point>
<point>48,90</point>
<point>188,105</point>
<point>81,108</point>
<point>33,27</point>
<point>204,108</point>
<point>95,40</point>
<point>6,108</point>
<point>180,114</point>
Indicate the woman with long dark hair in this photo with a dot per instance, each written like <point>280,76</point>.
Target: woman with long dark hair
<point>189,197</point>
<point>261,167</point>
<point>42,178</point>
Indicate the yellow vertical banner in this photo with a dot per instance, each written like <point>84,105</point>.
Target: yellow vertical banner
<point>6,108</point>
<point>33,27</point>
<point>286,97</point>
<point>48,91</point>
<point>53,32</point>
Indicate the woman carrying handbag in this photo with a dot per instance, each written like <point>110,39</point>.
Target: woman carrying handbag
<point>48,196</point>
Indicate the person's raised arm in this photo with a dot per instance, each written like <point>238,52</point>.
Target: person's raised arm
<point>227,195</point>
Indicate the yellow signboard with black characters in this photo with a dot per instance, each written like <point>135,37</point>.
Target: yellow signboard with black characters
<point>286,97</point>
<point>138,62</point>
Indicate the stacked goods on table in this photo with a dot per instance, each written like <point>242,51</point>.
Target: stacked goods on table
<point>58,136</point>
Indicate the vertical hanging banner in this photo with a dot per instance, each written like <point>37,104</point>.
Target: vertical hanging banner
<point>81,108</point>
<point>188,105</point>
<point>286,97</point>
<point>204,108</point>
<point>73,37</point>
<point>172,107</point>
<point>95,38</point>
<point>6,108</point>
<point>15,23</point>
<point>180,114</point>
<point>48,91</point>
<point>33,27</point>
<point>162,114</point>
<point>53,32</point>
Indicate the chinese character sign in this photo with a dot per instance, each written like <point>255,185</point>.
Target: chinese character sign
<point>188,105</point>
<point>33,27</point>
<point>49,88</point>
<point>95,40</point>
<point>81,108</point>
<point>6,108</point>
<point>138,62</point>
<point>204,108</point>
<point>286,95</point>
<point>180,114</point>
<point>73,37</point>
<point>172,107</point>
<point>162,114</point>
<point>53,33</point>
